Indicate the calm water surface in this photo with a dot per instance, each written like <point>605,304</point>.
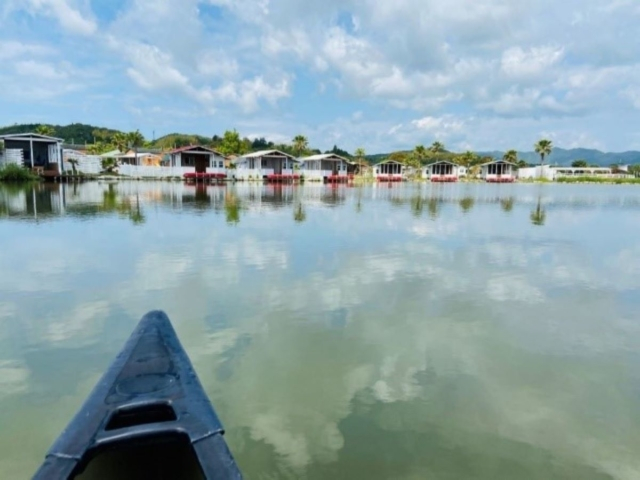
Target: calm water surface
<point>412,332</point>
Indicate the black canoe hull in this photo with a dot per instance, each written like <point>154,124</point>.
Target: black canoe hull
<point>149,393</point>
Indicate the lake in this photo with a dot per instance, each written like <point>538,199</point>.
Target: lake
<point>417,331</point>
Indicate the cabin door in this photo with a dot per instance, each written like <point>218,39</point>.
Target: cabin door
<point>202,162</point>
<point>277,167</point>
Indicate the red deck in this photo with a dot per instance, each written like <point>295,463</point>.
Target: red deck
<point>444,179</point>
<point>501,180</point>
<point>203,177</point>
<point>282,178</point>
<point>389,178</point>
<point>338,179</point>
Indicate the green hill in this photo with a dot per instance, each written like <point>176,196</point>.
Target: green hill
<point>76,133</point>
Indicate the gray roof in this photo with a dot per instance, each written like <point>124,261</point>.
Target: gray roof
<point>30,136</point>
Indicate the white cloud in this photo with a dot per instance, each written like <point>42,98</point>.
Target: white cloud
<point>12,49</point>
<point>520,64</point>
<point>65,12</point>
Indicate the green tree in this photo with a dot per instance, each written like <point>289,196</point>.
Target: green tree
<point>579,164</point>
<point>510,156</point>
<point>231,143</point>
<point>543,148</point>
<point>468,159</point>
<point>360,153</point>
<point>300,144</point>
<point>46,130</point>
<point>420,153</point>
<point>437,147</point>
<point>120,141</point>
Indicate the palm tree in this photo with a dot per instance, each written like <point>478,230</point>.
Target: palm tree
<point>510,156</point>
<point>437,147</point>
<point>360,153</point>
<point>135,140</point>
<point>46,130</point>
<point>543,148</point>
<point>420,152</point>
<point>300,144</point>
<point>120,141</point>
<point>468,158</point>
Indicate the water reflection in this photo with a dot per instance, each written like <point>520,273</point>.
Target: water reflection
<point>425,333</point>
<point>538,216</point>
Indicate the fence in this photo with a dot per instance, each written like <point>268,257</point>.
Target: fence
<point>154,172</point>
<point>90,164</point>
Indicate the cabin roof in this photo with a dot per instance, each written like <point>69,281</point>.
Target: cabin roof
<point>190,148</point>
<point>499,161</point>
<point>268,153</point>
<point>389,161</point>
<point>112,153</point>
<point>25,137</point>
<point>442,162</point>
<point>324,156</point>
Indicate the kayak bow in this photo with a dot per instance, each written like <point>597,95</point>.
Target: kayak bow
<point>149,396</point>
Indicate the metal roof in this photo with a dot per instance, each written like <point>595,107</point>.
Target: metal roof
<point>324,156</point>
<point>266,153</point>
<point>25,137</point>
<point>498,161</point>
<point>389,161</point>
<point>194,147</point>
<point>440,162</point>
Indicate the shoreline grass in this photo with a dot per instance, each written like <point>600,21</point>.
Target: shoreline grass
<point>17,174</point>
<point>612,181</point>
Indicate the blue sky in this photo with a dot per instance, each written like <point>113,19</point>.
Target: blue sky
<point>384,75</point>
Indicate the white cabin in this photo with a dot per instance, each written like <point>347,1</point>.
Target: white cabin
<point>443,171</point>
<point>198,159</point>
<point>389,171</point>
<point>32,150</point>
<point>266,164</point>
<point>498,171</point>
<point>325,166</point>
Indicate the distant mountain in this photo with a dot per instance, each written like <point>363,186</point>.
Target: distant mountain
<point>563,157</point>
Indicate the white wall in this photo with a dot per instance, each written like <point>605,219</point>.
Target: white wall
<point>536,172</point>
<point>12,155</point>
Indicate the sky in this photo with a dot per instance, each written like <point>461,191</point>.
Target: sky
<point>378,74</point>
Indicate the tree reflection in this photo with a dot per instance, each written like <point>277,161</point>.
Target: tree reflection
<point>434,207</point>
<point>417,206</point>
<point>507,204</point>
<point>232,208</point>
<point>466,204</point>
<point>538,216</point>
<point>113,202</point>
<point>299,214</point>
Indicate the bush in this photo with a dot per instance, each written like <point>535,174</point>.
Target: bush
<point>16,173</point>
<point>618,181</point>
